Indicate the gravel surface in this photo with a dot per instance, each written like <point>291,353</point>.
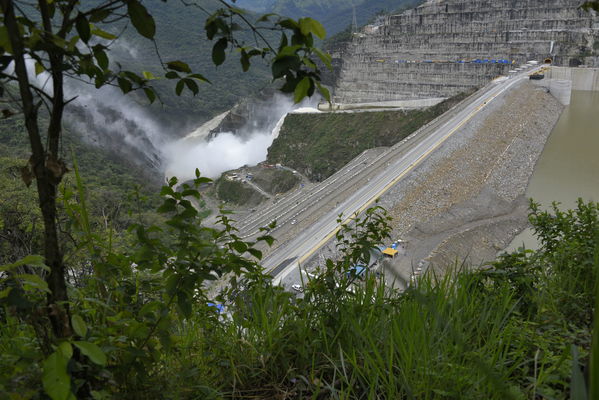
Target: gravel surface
<point>466,200</point>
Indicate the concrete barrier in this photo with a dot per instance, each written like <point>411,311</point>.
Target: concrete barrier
<point>582,78</point>
<point>562,80</point>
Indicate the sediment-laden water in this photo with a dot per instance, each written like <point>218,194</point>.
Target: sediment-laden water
<point>569,165</point>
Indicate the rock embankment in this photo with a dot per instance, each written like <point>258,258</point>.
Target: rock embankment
<point>466,201</point>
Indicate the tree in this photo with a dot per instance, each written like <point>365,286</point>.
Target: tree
<point>68,39</point>
<point>591,5</point>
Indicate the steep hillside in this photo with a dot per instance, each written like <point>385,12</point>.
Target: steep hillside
<point>180,36</point>
<point>118,192</point>
<point>125,124</point>
<point>335,15</point>
<point>318,145</point>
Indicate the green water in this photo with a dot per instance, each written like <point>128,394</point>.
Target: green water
<point>569,165</point>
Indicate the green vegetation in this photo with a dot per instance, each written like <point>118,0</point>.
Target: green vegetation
<point>335,15</point>
<point>318,145</point>
<point>276,180</point>
<point>114,192</point>
<point>237,193</point>
<point>70,39</point>
<point>180,35</point>
<point>520,329</point>
<point>109,314</point>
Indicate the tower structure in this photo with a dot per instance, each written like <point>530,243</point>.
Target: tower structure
<point>354,25</point>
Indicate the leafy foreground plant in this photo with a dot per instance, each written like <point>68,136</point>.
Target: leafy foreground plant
<point>502,332</point>
<point>126,306</point>
<point>144,329</point>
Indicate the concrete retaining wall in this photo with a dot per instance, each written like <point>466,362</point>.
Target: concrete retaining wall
<point>582,78</point>
<point>562,80</point>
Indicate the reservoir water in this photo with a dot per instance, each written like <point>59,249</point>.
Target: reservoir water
<point>568,168</point>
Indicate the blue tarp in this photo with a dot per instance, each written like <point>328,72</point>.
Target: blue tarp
<point>219,307</point>
<point>357,270</point>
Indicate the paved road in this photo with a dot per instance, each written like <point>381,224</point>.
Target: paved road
<point>397,161</point>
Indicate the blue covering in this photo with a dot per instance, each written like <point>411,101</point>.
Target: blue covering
<point>219,307</point>
<point>357,270</point>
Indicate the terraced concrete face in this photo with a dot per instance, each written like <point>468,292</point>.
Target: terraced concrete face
<point>444,47</point>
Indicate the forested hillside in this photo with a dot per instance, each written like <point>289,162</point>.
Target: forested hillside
<point>335,15</point>
<point>180,35</point>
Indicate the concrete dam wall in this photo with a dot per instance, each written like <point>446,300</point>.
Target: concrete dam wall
<point>445,47</point>
<point>560,81</point>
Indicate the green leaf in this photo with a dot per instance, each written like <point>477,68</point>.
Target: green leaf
<point>199,77</point>
<point>150,94</point>
<point>92,351</point>
<point>240,247</point>
<point>125,85</point>
<point>256,253</point>
<point>309,25</point>
<point>184,304</point>
<point>5,292</point>
<point>169,205</point>
<point>31,261</point>
<point>301,90</point>
<point>167,191</point>
<point>179,87</point>
<point>179,66</point>
<point>103,34</point>
<point>218,51</point>
<point>211,27</point>
<point>101,58</point>
<point>31,281</point>
<point>288,23</point>
<point>324,57</point>
<point>5,40</point>
<point>141,19</point>
<point>66,350</point>
<point>79,325</point>
<point>39,68</point>
<point>282,66</point>
<point>245,61</point>
<point>82,27</point>
<point>578,389</point>
<point>190,83</point>
<point>55,379</point>
<point>324,91</point>
<point>289,51</point>
<point>171,75</point>
<point>172,283</point>
<point>99,15</point>
<point>590,5</point>
<point>148,75</point>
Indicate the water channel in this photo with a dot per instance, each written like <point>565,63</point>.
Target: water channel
<point>568,168</point>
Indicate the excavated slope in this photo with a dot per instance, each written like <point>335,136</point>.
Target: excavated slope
<point>445,47</point>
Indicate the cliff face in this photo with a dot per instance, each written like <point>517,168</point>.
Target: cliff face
<point>444,47</point>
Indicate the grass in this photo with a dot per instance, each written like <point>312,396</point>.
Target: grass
<point>506,332</point>
<point>442,340</point>
<point>274,180</point>
<point>237,193</point>
<point>318,145</point>
<point>519,329</point>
